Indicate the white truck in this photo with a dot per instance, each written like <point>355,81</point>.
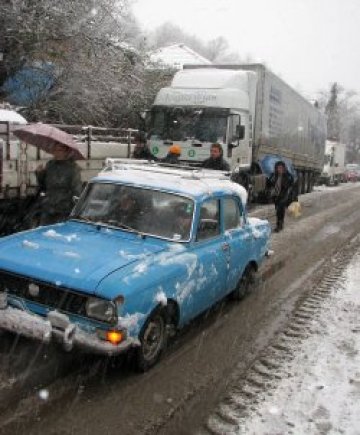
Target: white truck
<point>18,162</point>
<point>334,169</point>
<point>255,116</point>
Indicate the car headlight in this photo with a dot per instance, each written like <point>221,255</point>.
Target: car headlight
<point>101,309</point>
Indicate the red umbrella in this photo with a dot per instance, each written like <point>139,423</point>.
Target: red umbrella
<point>45,136</point>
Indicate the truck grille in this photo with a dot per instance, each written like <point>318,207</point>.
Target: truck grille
<point>43,293</point>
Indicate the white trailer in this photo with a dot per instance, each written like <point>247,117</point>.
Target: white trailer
<point>334,164</point>
<point>252,113</point>
<point>19,161</point>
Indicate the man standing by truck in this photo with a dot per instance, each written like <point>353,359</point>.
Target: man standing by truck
<point>216,160</point>
<point>281,184</point>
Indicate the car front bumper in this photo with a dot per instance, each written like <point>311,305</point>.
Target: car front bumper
<point>57,327</point>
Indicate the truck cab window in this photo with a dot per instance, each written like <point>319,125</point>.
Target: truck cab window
<point>182,124</point>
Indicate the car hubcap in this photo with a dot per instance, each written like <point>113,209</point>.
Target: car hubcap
<point>153,338</point>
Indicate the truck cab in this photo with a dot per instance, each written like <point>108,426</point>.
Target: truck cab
<point>202,107</point>
<point>333,171</point>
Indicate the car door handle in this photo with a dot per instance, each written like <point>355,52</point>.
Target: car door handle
<point>225,246</point>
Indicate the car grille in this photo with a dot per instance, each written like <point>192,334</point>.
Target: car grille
<point>49,295</point>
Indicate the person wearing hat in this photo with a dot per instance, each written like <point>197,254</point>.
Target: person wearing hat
<point>173,156</point>
<point>281,184</point>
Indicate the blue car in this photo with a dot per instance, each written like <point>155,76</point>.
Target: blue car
<point>145,250</point>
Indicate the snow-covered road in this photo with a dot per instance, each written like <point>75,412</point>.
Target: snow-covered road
<point>55,393</point>
<point>319,392</point>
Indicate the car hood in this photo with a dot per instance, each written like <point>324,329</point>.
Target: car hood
<point>74,255</point>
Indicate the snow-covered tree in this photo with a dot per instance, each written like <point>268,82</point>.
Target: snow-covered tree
<point>332,112</point>
<point>95,48</point>
<point>216,50</point>
<point>343,111</point>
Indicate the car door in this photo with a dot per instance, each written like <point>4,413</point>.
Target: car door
<point>211,272</point>
<point>238,238</point>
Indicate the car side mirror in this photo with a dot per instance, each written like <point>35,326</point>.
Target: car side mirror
<point>75,199</point>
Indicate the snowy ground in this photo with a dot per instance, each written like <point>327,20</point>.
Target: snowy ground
<point>321,393</point>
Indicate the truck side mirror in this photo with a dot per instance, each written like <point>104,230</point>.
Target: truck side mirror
<point>240,131</point>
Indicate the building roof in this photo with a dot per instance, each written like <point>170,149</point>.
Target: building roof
<point>176,56</point>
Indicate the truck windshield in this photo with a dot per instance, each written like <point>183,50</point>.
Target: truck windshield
<point>182,124</point>
<point>138,210</point>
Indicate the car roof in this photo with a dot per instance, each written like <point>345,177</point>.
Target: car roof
<point>193,182</point>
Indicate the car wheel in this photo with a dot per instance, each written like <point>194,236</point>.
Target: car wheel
<point>153,340</point>
<point>246,283</point>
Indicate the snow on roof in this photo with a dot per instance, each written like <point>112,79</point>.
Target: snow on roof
<point>177,55</point>
<point>190,182</point>
<point>211,78</point>
<point>11,116</point>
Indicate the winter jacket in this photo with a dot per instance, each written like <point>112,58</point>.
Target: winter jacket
<point>218,164</point>
<point>60,180</point>
<point>143,154</point>
<point>172,159</point>
<point>282,194</point>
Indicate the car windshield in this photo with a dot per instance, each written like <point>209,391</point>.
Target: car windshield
<point>137,210</point>
<point>182,124</point>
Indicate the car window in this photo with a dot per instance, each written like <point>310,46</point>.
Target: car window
<point>148,211</point>
<point>232,216</point>
<point>209,222</point>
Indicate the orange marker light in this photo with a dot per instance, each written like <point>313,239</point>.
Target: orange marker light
<point>115,337</point>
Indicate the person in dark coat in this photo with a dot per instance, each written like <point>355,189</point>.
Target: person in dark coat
<point>281,183</point>
<point>216,160</point>
<point>173,156</point>
<point>58,182</point>
<point>142,152</point>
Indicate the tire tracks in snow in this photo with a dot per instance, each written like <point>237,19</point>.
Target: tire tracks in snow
<point>245,391</point>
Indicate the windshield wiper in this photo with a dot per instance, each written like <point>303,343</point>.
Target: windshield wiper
<point>117,224</point>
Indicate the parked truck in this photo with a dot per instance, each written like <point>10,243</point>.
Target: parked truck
<point>333,171</point>
<point>18,162</point>
<point>255,116</point>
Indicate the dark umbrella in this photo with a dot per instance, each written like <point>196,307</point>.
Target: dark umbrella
<point>45,136</point>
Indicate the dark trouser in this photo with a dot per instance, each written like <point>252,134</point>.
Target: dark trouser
<point>280,208</point>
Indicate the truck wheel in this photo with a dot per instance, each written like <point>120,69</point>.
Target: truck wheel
<point>245,285</point>
<point>153,341</point>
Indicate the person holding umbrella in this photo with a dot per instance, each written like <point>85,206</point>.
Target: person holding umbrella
<point>59,181</point>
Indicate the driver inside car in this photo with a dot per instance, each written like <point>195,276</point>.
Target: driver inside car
<point>127,210</point>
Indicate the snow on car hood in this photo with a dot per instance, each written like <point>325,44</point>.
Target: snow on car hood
<point>72,254</point>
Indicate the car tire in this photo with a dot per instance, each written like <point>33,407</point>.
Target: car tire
<point>245,285</point>
<point>153,341</point>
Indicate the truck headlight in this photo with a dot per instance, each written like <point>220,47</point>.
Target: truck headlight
<point>101,309</point>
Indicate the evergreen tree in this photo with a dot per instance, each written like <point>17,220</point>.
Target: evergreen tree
<point>332,112</point>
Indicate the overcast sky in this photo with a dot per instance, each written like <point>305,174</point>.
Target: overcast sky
<point>310,43</point>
